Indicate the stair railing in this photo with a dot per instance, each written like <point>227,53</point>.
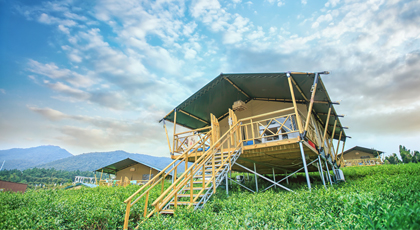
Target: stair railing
<point>188,175</point>
<point>161,176</point>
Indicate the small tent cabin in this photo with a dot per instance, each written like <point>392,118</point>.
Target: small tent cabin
<point>12,186</point>
<point>360,156</point>
<point>261,123</point>
<point>129,171</point>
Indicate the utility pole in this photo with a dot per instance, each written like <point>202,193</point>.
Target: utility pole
<point>2,165</point>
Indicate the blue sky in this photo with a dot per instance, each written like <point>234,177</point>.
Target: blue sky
<point>98,75</point>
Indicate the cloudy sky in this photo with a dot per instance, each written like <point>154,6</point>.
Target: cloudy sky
<point>98,75</point>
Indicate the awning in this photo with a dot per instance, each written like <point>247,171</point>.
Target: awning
<point>218,96</point>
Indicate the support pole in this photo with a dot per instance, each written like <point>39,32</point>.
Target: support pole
<point>332,138</point>
<point>304,164</point>
<point>294,104</point>
<point>328,172</point>
<point>227,185</point>
<point>274,177</point>
<point>338,145</point>
<point>256,181</point>
<point>174,130</point>
<point>326,127</point>
<point>321,171</point>
<point>312,102</point>
<point>167,137</point>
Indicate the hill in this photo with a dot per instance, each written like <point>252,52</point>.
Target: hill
<point>95,160</point>
<point>23,158</point>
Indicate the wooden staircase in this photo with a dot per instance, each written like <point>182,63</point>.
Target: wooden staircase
<point>199,181</point>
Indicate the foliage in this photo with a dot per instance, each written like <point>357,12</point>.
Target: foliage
<point>384,196</point>
<point>42,176</point>
<point>405,155</point>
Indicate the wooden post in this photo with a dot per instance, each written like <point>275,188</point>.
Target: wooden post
<point>342,151</point>
<point>253,132</point>
<point>174,131</point>
<point>338,145</point>
<point>167,137</point>
<point>326,127</point>
<point>150,174</point>
<point>332,137</point>
<point>127,214</point>
<point>145,204</point>
<point>212,173</point>
<point>294,103</point>
<point>312,102</point>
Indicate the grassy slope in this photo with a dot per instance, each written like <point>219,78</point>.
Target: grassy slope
<point>373,197</point>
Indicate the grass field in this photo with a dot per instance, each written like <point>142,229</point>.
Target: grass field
<point>373,197</point>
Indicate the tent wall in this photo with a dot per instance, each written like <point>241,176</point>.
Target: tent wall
<point>137,174</point>
<point>255,107</point>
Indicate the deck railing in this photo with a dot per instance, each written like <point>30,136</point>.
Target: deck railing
<point>184,140</point>
<point>274,126</point>
<point>363,162</point>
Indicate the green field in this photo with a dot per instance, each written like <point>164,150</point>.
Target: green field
<point>373,197</point>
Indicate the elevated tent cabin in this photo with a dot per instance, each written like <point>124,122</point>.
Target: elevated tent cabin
<point>129,171</point>
<point>360,156</point>
<point>262,123</point>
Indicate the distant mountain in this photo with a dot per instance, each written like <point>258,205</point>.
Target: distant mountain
<point>21,159</point>
<point>96,160</point>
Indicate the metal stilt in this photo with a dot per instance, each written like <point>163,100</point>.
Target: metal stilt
<point>227,185</point>
<point>328,173</point>
<point>321,171</point>
<point>274,177</point>
<point>304,164</point>
<point>256,179</point>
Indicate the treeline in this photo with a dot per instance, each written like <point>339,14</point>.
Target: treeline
<point>37,176</point>
<point>404,156</point>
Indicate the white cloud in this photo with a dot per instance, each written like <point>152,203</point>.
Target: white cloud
<point>52,71</point>
<point>3,91</point>
<point>304,2</point>
<point>332,3</point>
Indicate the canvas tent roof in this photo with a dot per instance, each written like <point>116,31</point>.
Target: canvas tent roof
<point>117,166</point>
<point>363,149</point>
<point>219,94</point>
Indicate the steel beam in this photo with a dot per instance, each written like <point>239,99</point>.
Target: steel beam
<point>265,178</point>
<point>308,181</point>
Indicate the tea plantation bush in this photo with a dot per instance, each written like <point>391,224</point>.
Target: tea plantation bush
<point>373,197</point>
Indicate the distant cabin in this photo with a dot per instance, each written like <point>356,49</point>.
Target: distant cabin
<point>136,172</point>
<point>12,186</point>
<point>360,156</point>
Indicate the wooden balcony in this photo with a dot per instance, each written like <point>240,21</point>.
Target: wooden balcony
<point>363,162</point>
<point>271,140</point>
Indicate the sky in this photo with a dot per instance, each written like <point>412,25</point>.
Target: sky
<point>94,76</point>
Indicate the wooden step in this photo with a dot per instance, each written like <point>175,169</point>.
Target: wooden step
<point>201,182</point>
<point>183,203</point>
<point>188,195</point>
<point>194,188</point>
<point>216,165</point>
<point>167,211</point>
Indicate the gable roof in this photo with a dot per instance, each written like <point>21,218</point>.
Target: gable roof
<point>219,94</point>
<point>120,165</point>
<point>363,149</point>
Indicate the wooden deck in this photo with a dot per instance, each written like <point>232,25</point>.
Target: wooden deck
<point>283,156</point>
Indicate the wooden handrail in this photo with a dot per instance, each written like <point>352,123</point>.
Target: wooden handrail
<point>191,167</point>
<point>161,172</point>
